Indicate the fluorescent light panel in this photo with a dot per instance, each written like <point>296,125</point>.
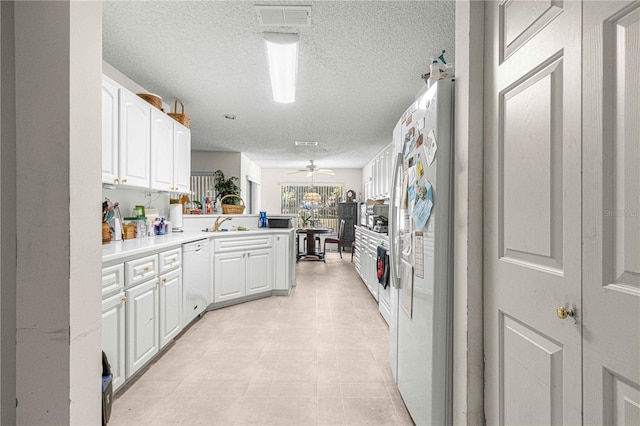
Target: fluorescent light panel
<point>282,54</point>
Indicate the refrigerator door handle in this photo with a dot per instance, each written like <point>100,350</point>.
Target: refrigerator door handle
<point>394,249</point>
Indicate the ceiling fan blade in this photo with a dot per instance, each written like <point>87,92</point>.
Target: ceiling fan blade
<point>297,171</point>
<point>327,172</point>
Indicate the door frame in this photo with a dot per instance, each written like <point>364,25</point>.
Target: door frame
<point>468,338</point>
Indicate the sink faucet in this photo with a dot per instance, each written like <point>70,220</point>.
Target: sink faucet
<point>219,222</point>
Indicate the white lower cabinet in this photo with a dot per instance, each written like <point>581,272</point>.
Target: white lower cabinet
<point>170,306</point>
<point>142,325</point>
<point>229,276</point>
<point>243,273</point>
<point>259,272</point>
<point>113,335</point>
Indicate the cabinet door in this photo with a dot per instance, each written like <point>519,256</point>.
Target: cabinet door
<point>170,306</point>
<point>259,271</point>
<point>161,151</point>
<point>375,177</point>
<point>387,177</point>
<point>372,281</point>
<point>142,325</point>
<point>109,131</point>
<point>282,254</point>
<point>135,147</point>
<point>113,336</point>
<point>229,272</point>
<point>181,158</point>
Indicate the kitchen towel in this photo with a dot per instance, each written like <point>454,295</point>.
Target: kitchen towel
<point>382,267</point>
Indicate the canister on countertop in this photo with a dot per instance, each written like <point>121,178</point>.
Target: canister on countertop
<point>140,224</point>
<point>129,231</point>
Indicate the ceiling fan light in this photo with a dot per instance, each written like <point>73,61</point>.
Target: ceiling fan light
<point>282,55</point>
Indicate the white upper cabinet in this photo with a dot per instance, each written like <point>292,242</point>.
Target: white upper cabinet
<point>379,185</point>
<point>135,140</point>
<point>162,151</point>
<point>181,158</point>
<point>142,146</point>
<point>109,131</point>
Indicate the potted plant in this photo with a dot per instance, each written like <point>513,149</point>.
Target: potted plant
<point>225,186</point>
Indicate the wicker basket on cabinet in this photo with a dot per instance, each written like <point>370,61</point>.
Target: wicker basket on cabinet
<point>232,208</point>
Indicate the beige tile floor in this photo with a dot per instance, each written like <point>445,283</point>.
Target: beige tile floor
<point>316,357</point>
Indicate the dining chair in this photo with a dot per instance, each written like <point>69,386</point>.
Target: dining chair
<point>335,240</point>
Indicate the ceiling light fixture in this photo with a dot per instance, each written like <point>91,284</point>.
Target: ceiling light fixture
<point>305,143</point>
<point>230,116</point>
<point>282,54</point>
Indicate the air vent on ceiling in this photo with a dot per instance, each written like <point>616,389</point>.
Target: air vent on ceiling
<point>305,143</point>
<point>284,15</point>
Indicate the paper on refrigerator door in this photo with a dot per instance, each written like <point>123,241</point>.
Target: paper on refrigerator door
<point>421,212</point>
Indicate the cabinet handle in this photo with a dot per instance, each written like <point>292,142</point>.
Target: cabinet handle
<point>158,282</point>
<point>146,269</point>
<point>124,299</point>
<point>278,238</point>
<point>248,254</point>
<point>124,180</point>
<point>164,280</point>
<point>173,260</point>
<point>117,180</point>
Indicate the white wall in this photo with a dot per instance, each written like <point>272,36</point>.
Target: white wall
<point>129,198</point>
<point>8,220</point>
<point>272,179</point>
<point>58,66</point>
<point>249,169</point>
<point>208,161</point>
<point>468,377</point>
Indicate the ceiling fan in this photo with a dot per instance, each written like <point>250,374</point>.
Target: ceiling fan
<point>312,168</point>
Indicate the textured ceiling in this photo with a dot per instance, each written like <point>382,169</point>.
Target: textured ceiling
<point>359,67</point>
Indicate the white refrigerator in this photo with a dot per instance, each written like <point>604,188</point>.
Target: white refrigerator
<point>420,237</point>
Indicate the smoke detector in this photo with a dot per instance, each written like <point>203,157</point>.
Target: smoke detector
<point>281,16</point>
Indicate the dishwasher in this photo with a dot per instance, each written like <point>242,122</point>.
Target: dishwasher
<point>197,276</point>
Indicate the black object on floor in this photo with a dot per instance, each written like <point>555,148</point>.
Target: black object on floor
<point>107,389</point>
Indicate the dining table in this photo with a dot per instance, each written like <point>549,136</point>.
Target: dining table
<point>311,252</point>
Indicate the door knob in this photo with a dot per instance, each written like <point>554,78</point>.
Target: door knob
<point>563,312</point>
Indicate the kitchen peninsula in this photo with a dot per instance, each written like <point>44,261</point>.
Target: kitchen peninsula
<point>152,288</point>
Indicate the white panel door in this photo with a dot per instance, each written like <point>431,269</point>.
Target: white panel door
<point>109,131</point>
<point>229,272</point>
<point>170,306</point>
<point>142,325</point>
<point>611,202</point>
<point>532,217</point>
<point>161,151</point>
<point>259,271</point>
<point>113,332</point>
<point>134,148</point>
<point>182,158</point>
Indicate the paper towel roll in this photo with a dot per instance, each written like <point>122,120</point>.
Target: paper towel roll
<point>175,215</point>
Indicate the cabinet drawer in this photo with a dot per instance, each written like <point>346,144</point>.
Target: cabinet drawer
<point>142,269</point>
<point>170,260</point>
<point>248,243</point>
<point>112,279</point>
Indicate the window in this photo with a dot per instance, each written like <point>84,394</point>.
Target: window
<point>202,186</point>
<point>323,214</point>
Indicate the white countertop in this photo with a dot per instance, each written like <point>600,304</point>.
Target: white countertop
<point>139,246</point>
